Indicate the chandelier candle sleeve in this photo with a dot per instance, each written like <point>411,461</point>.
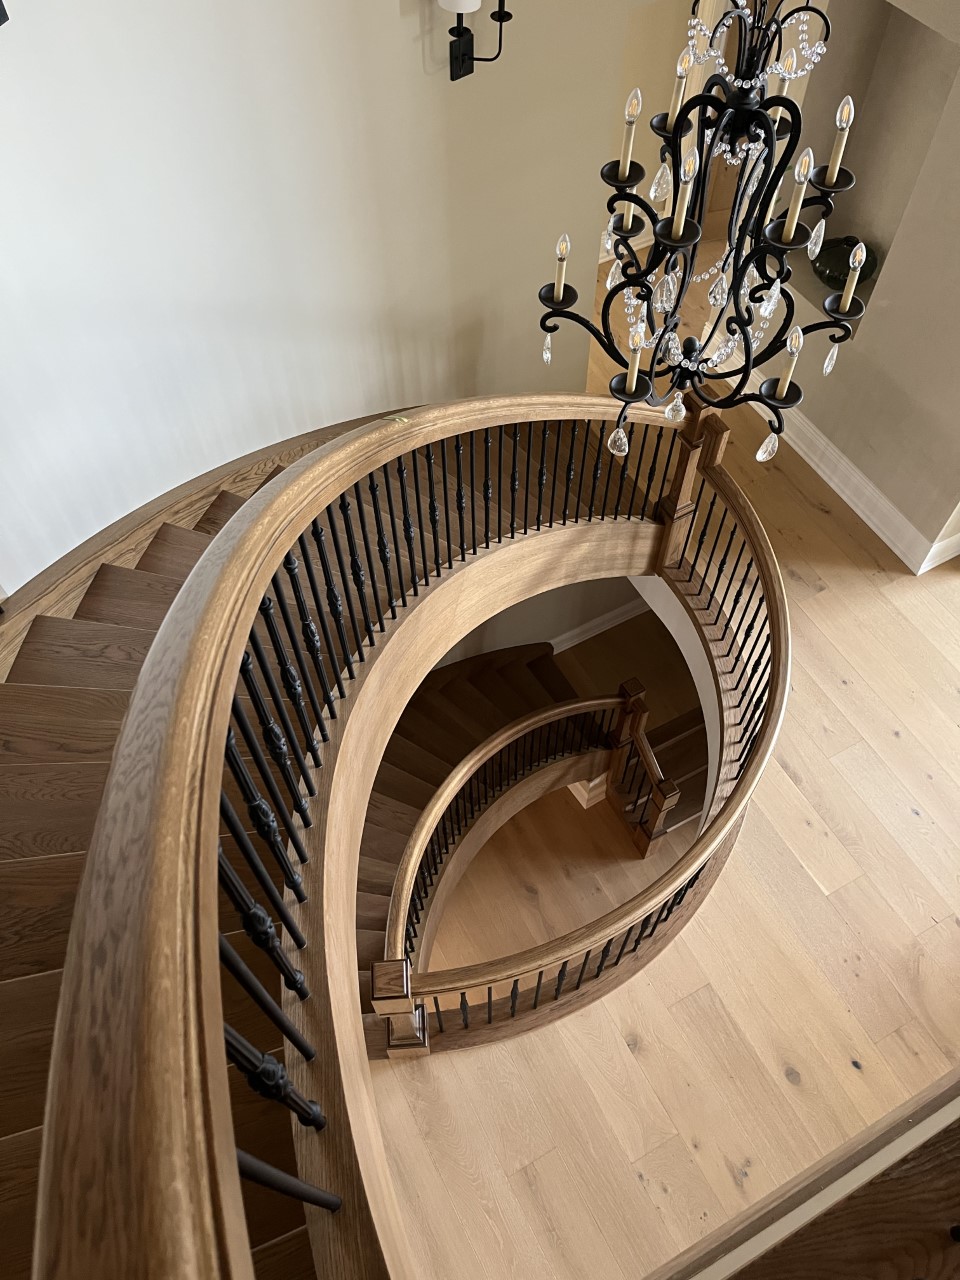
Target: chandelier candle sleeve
<point>688,173</point>
<point>845,117</point>
<point>628,212</point>
<point>684,63</point>
<point>636,351</point>
<point>788,70</point>
<point>631,114</point>
<point>858,260</point>
<point>794,347</point>
<point>563,252</point>
<point>801,176</point>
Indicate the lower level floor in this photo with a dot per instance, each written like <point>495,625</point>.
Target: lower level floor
<point>814,993</point>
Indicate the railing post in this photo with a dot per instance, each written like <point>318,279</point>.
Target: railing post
<point>408,1028</point>
<point>677,508</point>
<point>631,718</point>
<point>664,797</point>
<point>715,434</point>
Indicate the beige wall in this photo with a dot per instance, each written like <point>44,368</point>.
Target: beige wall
<point>224,223</point>
<point>942,15</point>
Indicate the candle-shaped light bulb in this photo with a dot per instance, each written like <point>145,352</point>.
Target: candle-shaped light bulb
<point>563,252</point>
<point>631,113</point>
<point>684,66</point>
<point>636,351</point>
<point>794,347</point>
<point>688,174</point>
<point>801,176</point>
<point>845,118</point>
<point>858,260</point>
<point>788,69</point>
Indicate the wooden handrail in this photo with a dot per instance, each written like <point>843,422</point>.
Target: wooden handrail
<point>543,957</point>
<point>138,1112</point>
<point>427,822</point>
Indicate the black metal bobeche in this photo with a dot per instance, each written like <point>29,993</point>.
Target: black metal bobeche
<point>733,117</point>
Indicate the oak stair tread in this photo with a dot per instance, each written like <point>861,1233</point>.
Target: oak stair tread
<point>45,724</point>
<point>81,654</point>
<point>220,510</point>
<point>48,808</point>
<point>173,551</point>
<point>129,597</point>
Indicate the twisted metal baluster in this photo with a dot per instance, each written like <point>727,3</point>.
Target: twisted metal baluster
<point>258,925</point>
<point>246,732</point>
<point>334,600</point>
<point>289,676</point>
<point>407,520</point>
<point>321,613</point>
<point>301,661</point>
<point>368,553</point>
<point>308,629</point>
<point>262,816</point>
<point>273,737</point>
<point>356,569</point>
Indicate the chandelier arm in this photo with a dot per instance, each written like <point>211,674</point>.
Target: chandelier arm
<point>548,323</point>
<point>801,10</point>
<point>627,197</point>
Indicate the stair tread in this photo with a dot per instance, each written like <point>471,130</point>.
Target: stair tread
<point>36,906</point>
<point>81,654</point>
<point>556,684</point>
<point>173,551</point>
<point>224,505</point>
<point>372,909</point>
<point>129,597</point>
<point>59,723</point>
<point>48,808</point>
<point>370,944</point>
<point>28,1008</point>
<point>689,722</point>
<point>19,1171</point>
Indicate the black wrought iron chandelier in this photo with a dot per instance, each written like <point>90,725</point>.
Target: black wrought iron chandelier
<point>744,118</point>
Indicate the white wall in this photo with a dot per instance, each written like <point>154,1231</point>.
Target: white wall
<point>224,223</point>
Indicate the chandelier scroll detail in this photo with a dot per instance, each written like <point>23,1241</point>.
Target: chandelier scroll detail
<point>744,118</point>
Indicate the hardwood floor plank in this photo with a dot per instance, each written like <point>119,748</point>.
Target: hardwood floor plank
<point>674,1182</point>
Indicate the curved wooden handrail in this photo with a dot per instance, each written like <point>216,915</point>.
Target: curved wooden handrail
<point>543,957</point>
<point>139,1035</point>
<point>415,846</point>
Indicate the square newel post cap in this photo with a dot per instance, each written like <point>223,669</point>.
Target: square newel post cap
<point>717,433</point>
<point>390,987</point>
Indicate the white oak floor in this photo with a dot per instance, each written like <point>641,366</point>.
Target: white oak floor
<point>815,991</point>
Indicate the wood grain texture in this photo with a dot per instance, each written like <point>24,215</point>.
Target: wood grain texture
<point>19,1158</point>
<point>28,1007</point>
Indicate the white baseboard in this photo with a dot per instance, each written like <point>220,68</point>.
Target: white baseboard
<point>602,623</point>
<point>874,508</point>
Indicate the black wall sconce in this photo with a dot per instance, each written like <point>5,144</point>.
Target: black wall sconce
<point>462,56</point>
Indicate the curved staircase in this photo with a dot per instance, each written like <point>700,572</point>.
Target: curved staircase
<point>336,592</point>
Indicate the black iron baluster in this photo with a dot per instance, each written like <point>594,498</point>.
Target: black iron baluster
<point>583,468</point>
<point>489,1005</point>
<point>345,581</point>
<point>542,473</point>
<point>666,471</point>
<point>262,816</point>
<point>357,574</point>
<point>638,470</point>
<point>651,475</point>
<point>262,998</point>
<point>368,554</point>
<point>460,498</point>
<point>561,979</point>
<point>268,1077</point>
<point>334,601</point>
<point>321,614</point>
<point>288,676</point>
<point>641,934</point>
<point>273,738</point>
<point>514,997</point>
<point>433,509</point>
<point>571,470</point>
<point>487,486</point>
<point>285,1184</point>
<point>446,501</point>
<point>301,662</point>
<point>556,472</point>
<point>722,569</point>
<point>269,781</point>
<point>308,628</point>
<point>536,994</point>
<point>604,957</point>
<point>583,970</point>
<point>258,925</point>
<point>623,946</point>
<point>500,431</point>
<point>439,1015</point>
<point>407,521</point>
<point>421,523</point>
<point>392,515</point>
<point>597,469</point>
<point>713,551</point>
<point>383,548</point>
<point>526,483</point>
<point>624,466</point>
<point>737,599</point>
<point>465,1010</point>
<point>693,521</point>
<point>280,707</point>
<point>606,486</point>
<point>514,480</point>
<point>703,537</point>
<point>473,491</point>
<point>745,638</point>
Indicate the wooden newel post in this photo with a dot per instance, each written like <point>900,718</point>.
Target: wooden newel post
<point>664,797</point>
<point>634,712</point>
<point>677,508</point>
<point>408,1028</point>
<point>716,433</point>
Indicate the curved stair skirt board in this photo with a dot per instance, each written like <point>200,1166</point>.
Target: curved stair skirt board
<point>665,604</point>
<point>849,483</point>
<point>576,771</point>
<point>815,1192</point>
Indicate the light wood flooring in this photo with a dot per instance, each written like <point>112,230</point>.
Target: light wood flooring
<point>816,990</point>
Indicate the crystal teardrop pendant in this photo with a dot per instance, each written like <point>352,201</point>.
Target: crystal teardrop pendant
<point>619,443</point>
<point>719,292</point>
<point>672,349</point>
<point>547,349</point>
<point>662,188</point>
<point>676,411</point>
<point>831,361</point>
<point>770,303</point>
<point>615,276</point>
<point>769,447</point>
<point>665,294</point>
<point>816,240</point>
<point>607,242</point>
